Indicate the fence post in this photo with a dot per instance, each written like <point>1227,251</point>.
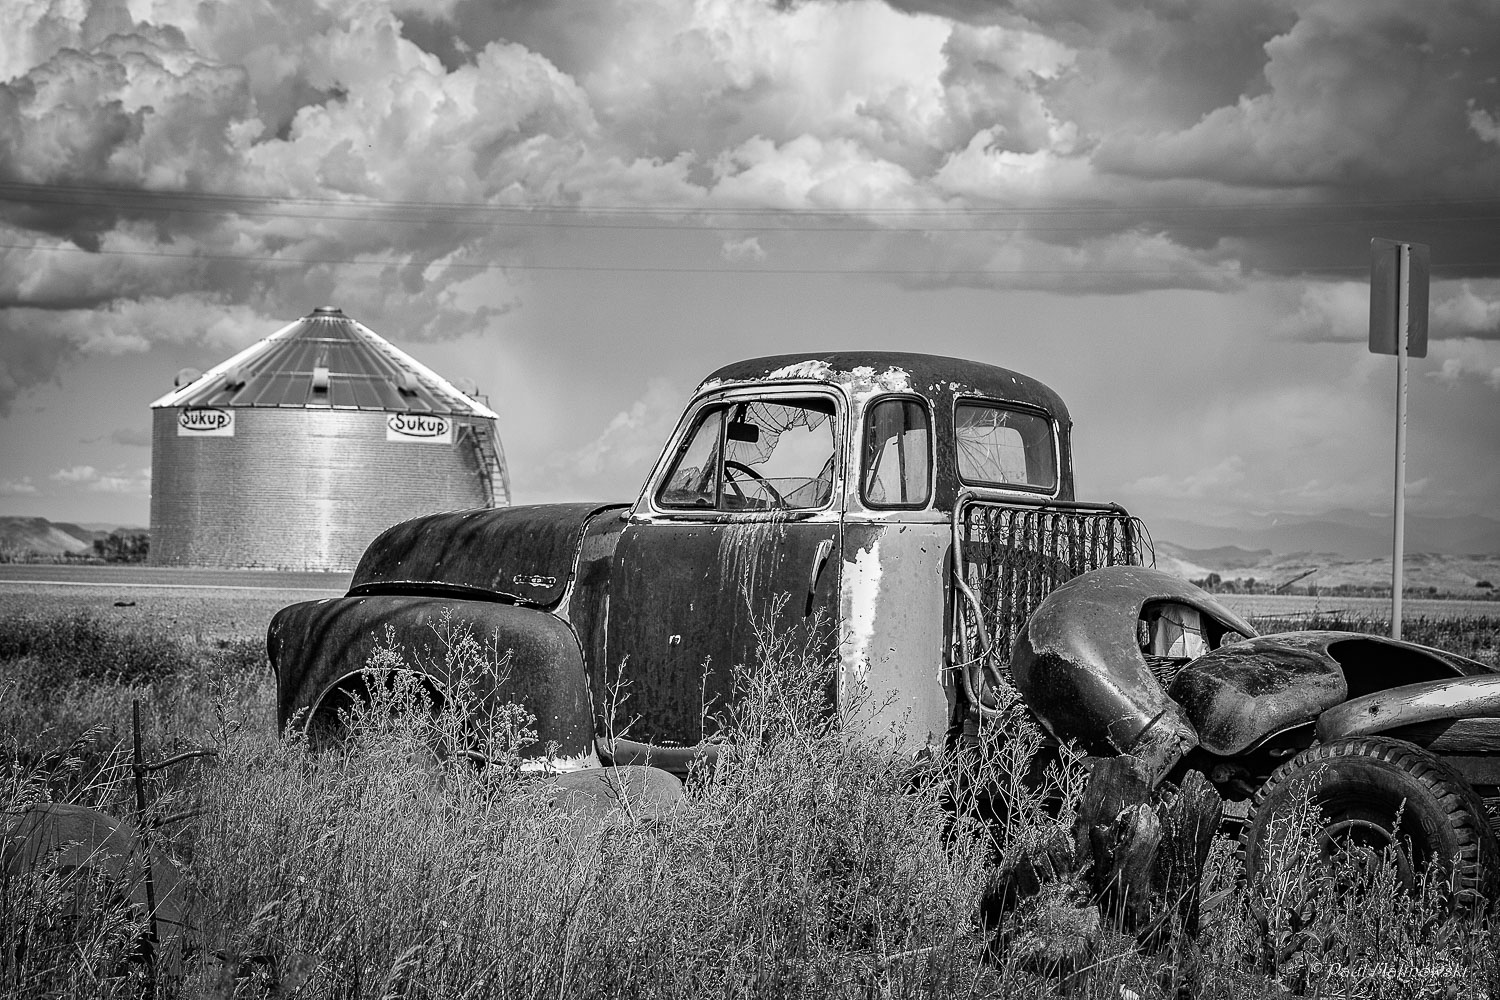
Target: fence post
<point>138,769</point>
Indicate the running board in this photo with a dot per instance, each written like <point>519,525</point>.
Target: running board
<point>677,760</point>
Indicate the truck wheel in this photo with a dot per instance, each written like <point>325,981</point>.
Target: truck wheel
<point>325,726</point>
<point>1362,786</point>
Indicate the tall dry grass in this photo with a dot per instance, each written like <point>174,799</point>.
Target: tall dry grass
<point>804,863</point>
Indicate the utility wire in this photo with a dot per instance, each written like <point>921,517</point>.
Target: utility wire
<point>133,197</point>
<point>674,269</point>
<point>1157,218</point>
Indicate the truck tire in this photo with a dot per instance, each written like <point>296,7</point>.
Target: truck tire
<point>1361,785</point>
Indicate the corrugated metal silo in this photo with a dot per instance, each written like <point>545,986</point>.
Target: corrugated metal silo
<point>297,451</point>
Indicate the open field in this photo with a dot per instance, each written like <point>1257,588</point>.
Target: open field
<point>199,603</point>
<point>218,602</point>
<point>1253,606</point>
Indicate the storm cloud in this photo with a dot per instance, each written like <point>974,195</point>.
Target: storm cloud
<point>198,171</point>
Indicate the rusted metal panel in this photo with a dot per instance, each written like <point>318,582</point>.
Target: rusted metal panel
<point>892,640</point>
<point>1475,698</point>
<point>687,596</point>
<point>586,605</point>
<point>524,554</point>
<point>294,488</point>
<point>315,644</point>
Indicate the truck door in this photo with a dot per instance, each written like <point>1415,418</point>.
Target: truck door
<point>738,531</point>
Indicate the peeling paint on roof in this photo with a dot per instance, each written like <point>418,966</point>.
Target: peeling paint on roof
<point>818,370</point>
<point>866,373</point>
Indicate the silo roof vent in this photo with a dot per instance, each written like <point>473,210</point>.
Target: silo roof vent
<point>328,311</point>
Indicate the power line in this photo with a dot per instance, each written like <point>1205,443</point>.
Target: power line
<point>674,269</point>
<point>20,192</point>
<point>705,224</point>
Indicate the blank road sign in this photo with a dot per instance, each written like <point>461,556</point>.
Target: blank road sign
<point>1385,311</point>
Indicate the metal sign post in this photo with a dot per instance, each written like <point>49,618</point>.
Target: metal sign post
<point>1398,325</point>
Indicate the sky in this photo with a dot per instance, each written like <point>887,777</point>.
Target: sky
<point>1161,208</point>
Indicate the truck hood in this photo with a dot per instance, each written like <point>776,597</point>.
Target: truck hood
<point>520,554</point>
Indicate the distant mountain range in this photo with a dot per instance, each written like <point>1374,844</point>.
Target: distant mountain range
<point>1269,546</point>
<point>1352,534</point>
<point>37,536</point>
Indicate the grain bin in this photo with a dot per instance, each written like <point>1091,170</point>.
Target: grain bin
<point>299,450</point>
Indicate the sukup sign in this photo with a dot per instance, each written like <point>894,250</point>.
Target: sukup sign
<point>205,421</point>
<point>419,427</point>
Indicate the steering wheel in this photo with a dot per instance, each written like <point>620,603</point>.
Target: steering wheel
<point>730,465</point>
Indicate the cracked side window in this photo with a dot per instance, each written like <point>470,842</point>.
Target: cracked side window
<point>1001,447</point>
<point>694,481</point>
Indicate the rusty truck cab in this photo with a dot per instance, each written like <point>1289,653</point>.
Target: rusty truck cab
<point>823,488</point>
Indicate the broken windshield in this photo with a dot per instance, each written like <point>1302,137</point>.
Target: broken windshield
<point>756,455</point>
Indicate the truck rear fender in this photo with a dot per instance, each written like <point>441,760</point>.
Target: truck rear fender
<point>1239,694</point>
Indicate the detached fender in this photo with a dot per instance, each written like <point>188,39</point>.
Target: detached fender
<point>1413,704</point>
<point>316,645</point>
<point>1079,666</point>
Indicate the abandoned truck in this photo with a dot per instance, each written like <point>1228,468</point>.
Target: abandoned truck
<point>923,508</point>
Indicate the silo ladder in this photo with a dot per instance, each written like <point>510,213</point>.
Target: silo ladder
<point>487,449</point>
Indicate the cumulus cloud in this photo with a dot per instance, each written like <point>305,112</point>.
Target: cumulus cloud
<point>744,250</point>
<point>1335,311</point>
<point>76,474</point>
<point>1213,481</point>
<point>1351,95</point>
<point>1468,311</point>
<point>1467,361</point>
<point>622,453</point>
<point>119,480</point>
<point>126,437</point>
<point>1340,311</point>
<point>1484,124</point>
<point>211,164</point>
<point>17,487</point>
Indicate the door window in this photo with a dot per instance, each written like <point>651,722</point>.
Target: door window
<point>756,455</point>
<point>897,454</point>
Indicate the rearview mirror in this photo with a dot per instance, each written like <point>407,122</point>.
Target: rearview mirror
<point>743,432</point>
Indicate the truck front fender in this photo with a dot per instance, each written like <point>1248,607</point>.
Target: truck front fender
<point>499,653</point>
<point>1079,666</point>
